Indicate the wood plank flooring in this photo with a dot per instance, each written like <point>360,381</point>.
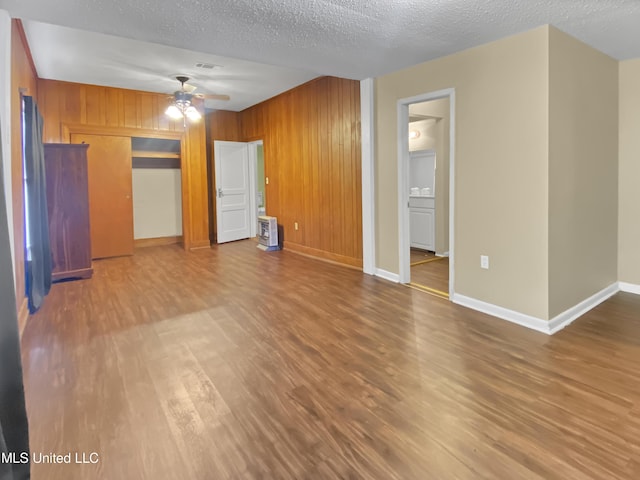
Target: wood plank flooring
<point>417,255</point>
<point>434,274</point>
<point>232,363</point>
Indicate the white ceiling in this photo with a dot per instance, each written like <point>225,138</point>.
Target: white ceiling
<point>63,53</point>
<point>345,38</point>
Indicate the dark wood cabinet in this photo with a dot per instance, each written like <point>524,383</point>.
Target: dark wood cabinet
<point>68,208</point>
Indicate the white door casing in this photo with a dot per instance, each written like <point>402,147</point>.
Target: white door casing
<point>233,191</point>
<point>403,182</point>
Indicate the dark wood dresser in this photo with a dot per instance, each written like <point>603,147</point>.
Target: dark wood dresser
<point>68,207</point>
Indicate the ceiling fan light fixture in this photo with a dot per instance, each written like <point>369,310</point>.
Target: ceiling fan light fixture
<point>181,106</point>
<point>174,112</point>
<point>192,113</point>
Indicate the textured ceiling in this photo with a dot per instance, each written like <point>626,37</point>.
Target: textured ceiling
<point>346,38</point>
<point>63,53</point>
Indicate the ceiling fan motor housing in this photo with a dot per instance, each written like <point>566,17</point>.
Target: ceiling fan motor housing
<point>183,98</point>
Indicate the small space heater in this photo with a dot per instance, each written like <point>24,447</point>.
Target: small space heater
<point>267,233</point>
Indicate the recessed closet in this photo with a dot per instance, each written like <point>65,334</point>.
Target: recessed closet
<point>134,190</point>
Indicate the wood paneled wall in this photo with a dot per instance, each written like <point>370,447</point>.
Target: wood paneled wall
<point>67,106</point>
<point>67,103</point>
<point>23,76</point>
<point>224,125</point>
<point>311,140</point>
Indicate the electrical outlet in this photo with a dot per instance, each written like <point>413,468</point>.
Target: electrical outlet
<point>295,225</point>
<point>484,261</point>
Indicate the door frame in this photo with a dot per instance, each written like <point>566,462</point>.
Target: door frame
<point>217,145</point>
<point>252,171</point>
<point>404,241</point>
<point>67,129</point>
<point>253,183</point>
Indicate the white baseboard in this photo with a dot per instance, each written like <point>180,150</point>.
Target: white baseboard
<point>549,327</point>
<point>503,313</point>
<point>392,277</point>
<point>565,318</point>
<point>445,254</point>
<point>629,288</point>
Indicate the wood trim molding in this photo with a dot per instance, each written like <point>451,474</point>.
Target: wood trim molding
<point>67,129</point>
<point>25,43</point>
<point>157,241</point>
<point>253,138</point>
<point>323,255</point>
<point>199,245</point>
<point>186,199</point>
<point>23,315</point>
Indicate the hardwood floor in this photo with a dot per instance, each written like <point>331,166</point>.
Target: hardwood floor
<point>232,363</point>
<point>418,256</point>
<point>433,274</point>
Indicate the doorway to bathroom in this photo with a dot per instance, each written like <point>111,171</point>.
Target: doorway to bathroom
<point>425,196</point>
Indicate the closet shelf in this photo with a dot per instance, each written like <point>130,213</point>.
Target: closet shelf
<point>153,154</point>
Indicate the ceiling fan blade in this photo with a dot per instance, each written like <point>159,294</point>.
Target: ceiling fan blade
<point>213,96</point>
<point>189,88</point>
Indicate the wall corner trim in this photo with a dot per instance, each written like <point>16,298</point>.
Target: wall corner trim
<point>565,318</point>
<point>512,316</point>
<point>392,277</point>
<point>549,327</point>
<point>367,109</point>
<point>629,288</point>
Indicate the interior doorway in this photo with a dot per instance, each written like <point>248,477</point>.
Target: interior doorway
<point>426,133</point>
<point>261,198</point>
<point>239,189</point>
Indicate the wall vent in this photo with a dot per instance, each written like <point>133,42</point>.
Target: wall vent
<point>207,66</point>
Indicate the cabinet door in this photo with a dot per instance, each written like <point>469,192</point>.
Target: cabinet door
<point>422,231</point>
<point>68,210</point>
<point>110,202</point>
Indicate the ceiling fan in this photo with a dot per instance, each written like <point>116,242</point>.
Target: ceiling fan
<point>182,101</point>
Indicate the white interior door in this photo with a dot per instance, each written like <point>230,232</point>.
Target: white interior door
<point>233,191</point>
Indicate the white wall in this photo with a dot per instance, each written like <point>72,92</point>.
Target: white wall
<point>427,135</point>
<point>501,92</point>
<point>629,173</point>
<point>422,169</point>
<point>583,171</point>
<point>5,117</point>
<point>157,203</point>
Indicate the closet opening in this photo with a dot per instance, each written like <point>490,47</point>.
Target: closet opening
<point>156,191</point>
